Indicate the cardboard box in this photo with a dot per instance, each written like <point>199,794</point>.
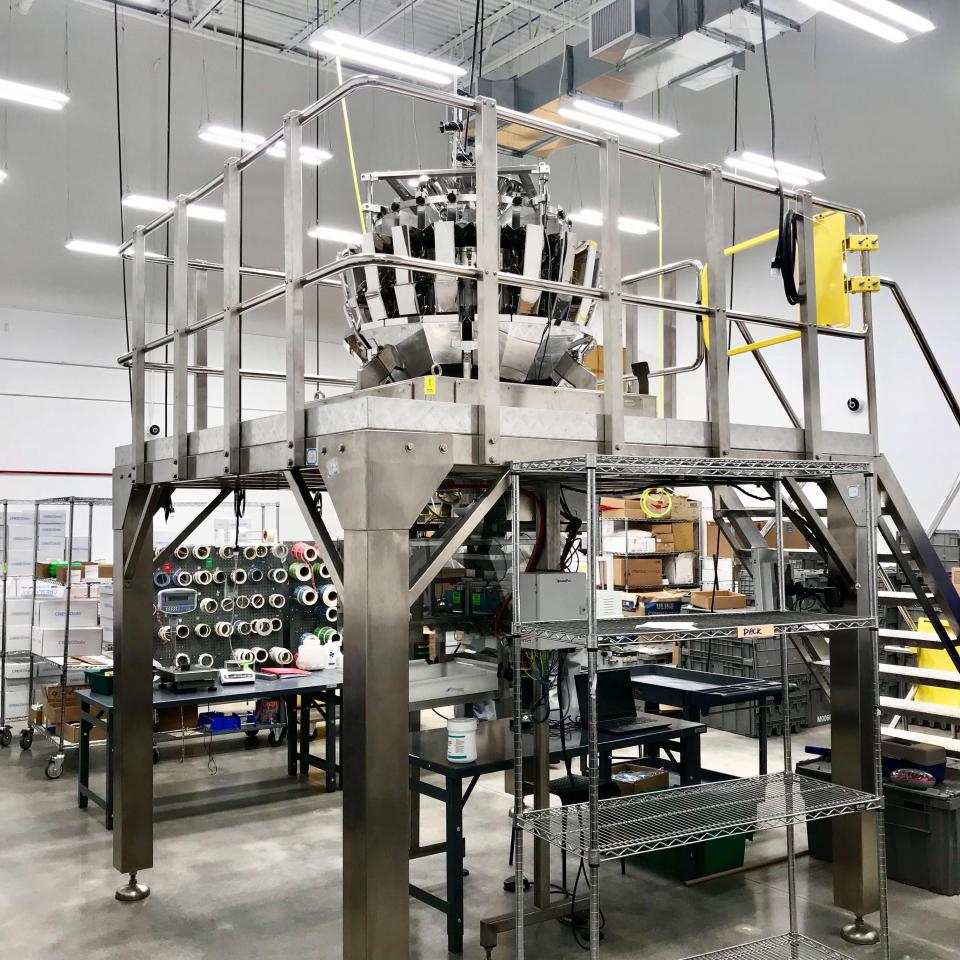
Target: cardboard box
<point>53,613</point>
<point>678,569</point>
<point>683,508</point>
<point>16,692</point>
<point>71,733</point>
<point>175,718</point>
<point>593,361</point>
<point>17,612</point>
<point>646,604</point>
<point>631,778</point>
<point>51,698</point>
<point>50,641</point>
<point>792,539</point>
<point>619,508</point>
<point>637,572</point>
<point>724,600</point>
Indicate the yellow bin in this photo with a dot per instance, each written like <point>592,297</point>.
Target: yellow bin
<point>935,660</point>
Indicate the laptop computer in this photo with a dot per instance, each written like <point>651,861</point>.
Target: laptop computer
<point>616,707</point>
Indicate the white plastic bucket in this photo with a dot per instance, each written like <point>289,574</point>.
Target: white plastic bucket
<point>462,740</point>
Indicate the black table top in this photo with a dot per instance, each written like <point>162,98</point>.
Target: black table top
<point>679,688</point>
<point>428,748</point>
<point>317,682</point>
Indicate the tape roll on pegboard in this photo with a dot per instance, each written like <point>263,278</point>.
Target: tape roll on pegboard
<point>161,579</point>
<point>305,552</point>
<point>209,604</point>
<point>257,601</point>
<point>279,550</point>
<point>241,628</point>
<point>332,615</point>
<point>219,576</point>
<point>305,596</point>
<point>226,604</point>
<point>181,552</point>
<point>249,552</point>
<point>182,631</point>
<point>223,628</point>
<point>181,661</point>
<point>242,601</point>
<point>183,578</point>
<point>321,571</point>
<point>277,600</point>
<point>262,550</point>
<point>166,633</point>
<point>281,656</point>
<point>243,654</point>
<point>260,654</point>
<point>254,574</point>
<point>324,633</point>
<point>278,575</point>
<point>201,552</point>
<point>276,625</point>
<point>261,627</point>
<point>205,660</point>
<point>202,630</point>
<point>225,553</point>
<point>203,577</point>
<point>238,576</point>
<point>329,595</point>
<point>300,571</point>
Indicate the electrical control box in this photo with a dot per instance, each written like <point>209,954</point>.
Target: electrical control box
<point>176,601</point>
<point>552,596</point>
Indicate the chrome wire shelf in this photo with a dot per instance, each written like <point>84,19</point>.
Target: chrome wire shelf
<point>785,947</point>
<point>690,470</point>
<point>703,626</point>
<point>664,819</point>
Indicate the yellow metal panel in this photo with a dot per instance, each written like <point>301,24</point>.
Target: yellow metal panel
<point>859,242</point>
<point>430,386</point>
<point>863,284</point>
<point>935,660</point>
<point>829,244</point>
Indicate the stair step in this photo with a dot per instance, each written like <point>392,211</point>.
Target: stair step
<point>949,744</point>
<point>900,595</point>
<point>923,675</point>
<point>913,638</point>
<point>920,708</point>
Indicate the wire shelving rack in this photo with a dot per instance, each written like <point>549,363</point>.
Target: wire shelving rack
<point>605,830</point>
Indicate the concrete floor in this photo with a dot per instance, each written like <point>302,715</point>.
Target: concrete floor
<point>248,866</point>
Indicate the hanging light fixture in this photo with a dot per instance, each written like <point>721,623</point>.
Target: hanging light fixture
<point>32,96</point>
<point>594,218</point>
<point>334,234</point>
<point>244,140</point>
<point>196,211</point>
<point>880,19</point>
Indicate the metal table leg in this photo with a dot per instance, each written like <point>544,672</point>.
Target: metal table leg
<point>454,858</point>
<point>762,733</point>
<point>290,709</point>
<point>304,739</point>
<point>108,809</point>
<point>689,758</point>
<point>330,744</point>
<point>83,759</point>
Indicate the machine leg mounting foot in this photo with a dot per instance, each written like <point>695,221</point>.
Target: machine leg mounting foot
<point>132,891</point>
<point>860,933</point>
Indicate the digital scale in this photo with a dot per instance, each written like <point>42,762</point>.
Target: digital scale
<point>188,679</point>
<point>176,601</point>
<point>233,671</point>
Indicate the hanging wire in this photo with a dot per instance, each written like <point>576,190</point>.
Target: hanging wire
<point>123,260</point>
<point>166,229</point>
<point>3,130</point>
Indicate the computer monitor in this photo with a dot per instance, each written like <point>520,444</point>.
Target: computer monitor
<point>614,695</point>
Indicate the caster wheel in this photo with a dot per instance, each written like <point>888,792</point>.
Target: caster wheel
<point>54,768</point>
<point>6,737</point>
<point>273,739</point>
<point>251,734</point>
<point>156,755</point>
<point>26,740</point>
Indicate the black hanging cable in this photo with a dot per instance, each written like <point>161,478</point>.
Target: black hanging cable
<point>243,79</point>
<point>123,260</point>
<point>473,54</point>
<point>316,182</point>
<point>166,269</point>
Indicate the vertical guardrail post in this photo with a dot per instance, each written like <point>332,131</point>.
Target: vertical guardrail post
<point>869,358</point>
<point>487,332</point>
<point>669,384</point>
<point>612,306</point>
<point>198,310</point>
<point>809,343</point>
<point>231,316</point>
<point>293,291</point>
<point>181,302</point>
<point>138,374</point>
<point>718,379</point>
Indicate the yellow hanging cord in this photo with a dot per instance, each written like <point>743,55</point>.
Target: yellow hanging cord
<point>346,129</point>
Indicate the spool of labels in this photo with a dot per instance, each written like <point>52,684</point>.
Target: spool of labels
<point>249,553</point>
<point>324,633</point>
<point>205,660</point>
<point>257,601</point>
<point>320,570</point>
<point>242,602</point>
<point>225,553</point>
<point>254,574</point>
<point>182,552</point>
<point>262,550</point>
<point>181,661</point>
<point>165,633</point>
<point>279,550</point>
<point>276,625</point>
<point>208,605</point>
<point>238,576</point>
<point>201,552</point>
<point>300,571</point>
<point>278,575</point>
<point>260,654</point>
<point>203,577</point>
<point>329,595</point>
<point>241,628</point>
<point>331,615</point>
<point>219,576</point>
<point>182,631</point>
<point>161,579</point>
<point>223,628</point>
<point>278,601</point>
<point>306,552</point>
<point>281,656</point>
<point>305,596</point>
<point>242,654</point>
<point>202,630</point>
<point>183,578</point>
<point>226,604</point>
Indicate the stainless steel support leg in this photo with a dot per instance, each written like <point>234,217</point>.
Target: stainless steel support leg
<point>133,693</point>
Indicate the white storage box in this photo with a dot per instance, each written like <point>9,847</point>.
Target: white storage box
<point>51,548</point>
<point>17,612</point>
<point>678,569</point>
<point>18,639</point>
<point>633,541</point>
<point>84,641</point>
<point>53,613</point>
<point>21,562</point>
<point>16,692</point>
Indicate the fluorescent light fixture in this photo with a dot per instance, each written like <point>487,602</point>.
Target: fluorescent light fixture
<point>609,126</point>
<point>92,246</point>
<point>784,168</point>
<point>32,96</point>
<point>896,14</point>
<point>416,181</point>
<point>3,175</point>
<point>761,166</point>
<point>857,19</point>
<point>245,141</point>
<point>385,59</point>
<point>594,218</point>
<point>196,211</point>
<point>625,119</point>
<point>335,234</point>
